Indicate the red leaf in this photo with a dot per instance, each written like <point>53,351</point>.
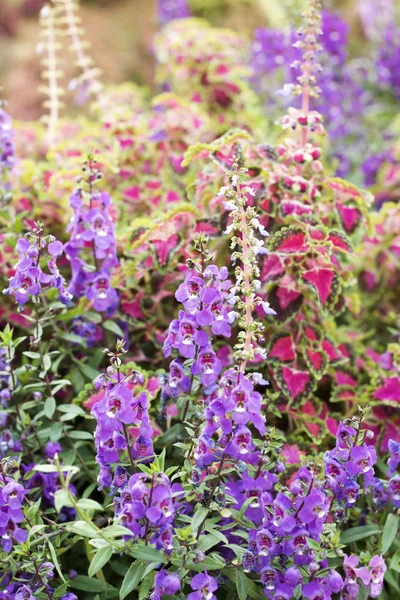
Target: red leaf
<point>390,390</point>
<point>340,241</point>
<point>317,360</point>
<point>322,279</point>
<point>273,268</point>
<point>350,216</point>
<point>343,378</point>
<point>164,248</point>
<point>282,347</point>
<point>291,240</point>
<point>295,383</point>
<point>331,351</point>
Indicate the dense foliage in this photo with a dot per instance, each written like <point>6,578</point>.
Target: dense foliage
<point>199,345</point>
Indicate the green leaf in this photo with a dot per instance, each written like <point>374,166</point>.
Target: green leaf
<point>87,504</point>
<point>60,590</point>
<point>358,533</point>
<point>143,552</point>
<point>146,586</point>
<point>80,435</point>
<point>114,328</point>
<point>61,498</point>
<point>87,584</point>
<point>49,407</point>
<point>389,532</point>
<point>83,528</point>
<point>242,585</point>
<point>132,579</point>
<point>395,562</point>
<point>100,559</point>
<point>55,560</point>
<point>199,516</point>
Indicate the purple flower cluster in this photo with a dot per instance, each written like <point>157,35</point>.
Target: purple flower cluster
<point>90,332</point>
<point>92,237</point>
<point>12,495</point>
<point>168,10</point>
<point>232,407</point>
<point>7,158</point>
<point>30,278</point>
<point>285,520</point>
<point>347,462</point>
<point>370,576</point>
<point>145,506</point>
<point>26,586</point>
<point>120,408</point>
<point>204,299</point>
<point>383,491</point>
<point>387,64</point>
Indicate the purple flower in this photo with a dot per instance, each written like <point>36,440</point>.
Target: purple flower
<point>24,593</point>
<point>361,460</point>
<point>118,404</point>
<point>30,278</point>
<point>387,64</point>
<point>168,10</point>
<point>315,507</point>
<point>377,568</point>
<point>207,365</point>
<point>7,158</point>
<point>92,232</point>
<point>177,378</point>
<point>165,583</point>
<point>87,330</point>
<point>394,460</point>
<point>315,591</point>
<point>394,490</point>
<point>204,586</point>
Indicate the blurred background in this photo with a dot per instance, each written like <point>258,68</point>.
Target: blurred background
<point>121,35</point>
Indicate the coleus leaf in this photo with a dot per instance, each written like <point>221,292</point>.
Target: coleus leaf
<point>289,240</point>
<point>331,350</point>
<point>282,348</point>
<point>350,216</point>
<point>317,361</point>
<point>273,268</point>
<point>325,282</point>
<point>163,249</point>
<point>345,377</point>
<point>389,391</point>
<point>295,207</point>
<point>340,241</point>
<point>295,384</point>
<point>285,301</point>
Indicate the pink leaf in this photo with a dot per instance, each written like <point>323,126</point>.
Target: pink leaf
<point>322,280</point>
<point>390,390</point>
<point>282,348</point>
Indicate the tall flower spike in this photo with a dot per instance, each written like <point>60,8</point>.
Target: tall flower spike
<point>88,83</point>
<point>246,246</point>
<point>7,157</point>
<point>92,242</point>
<point>307,86</point>
<point>51,73</point>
